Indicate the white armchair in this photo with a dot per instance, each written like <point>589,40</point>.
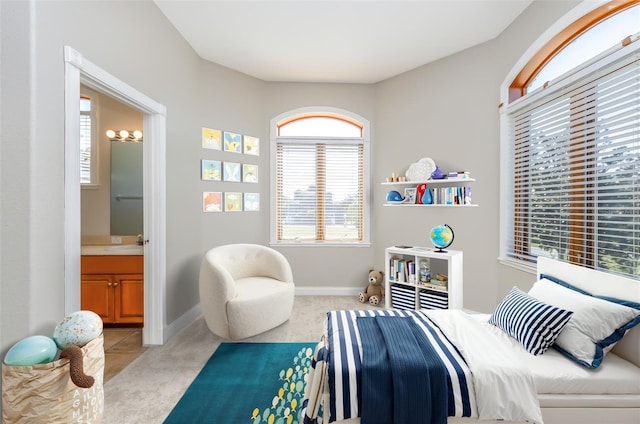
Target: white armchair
<point>245,289</point>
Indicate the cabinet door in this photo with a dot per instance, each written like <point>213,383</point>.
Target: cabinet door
<point>96,294</point>
<point>129,301</point>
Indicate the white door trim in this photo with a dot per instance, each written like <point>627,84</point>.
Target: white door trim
<point>79,70</point>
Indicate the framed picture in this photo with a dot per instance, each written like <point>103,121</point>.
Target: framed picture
<point>231,171</point>
<point>211,170</point>
<point>232,142</point>
<point>252,202</point>
<point>232,202</point>
<point>251,145</point>
<point>249,173</point>
<point>211,201</point>
<point>410,194</point>
<point>211,139</point>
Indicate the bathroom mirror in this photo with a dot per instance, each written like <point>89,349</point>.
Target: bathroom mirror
<point>126,188</point>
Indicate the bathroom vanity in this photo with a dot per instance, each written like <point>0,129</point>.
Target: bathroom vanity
<point>112,283</point>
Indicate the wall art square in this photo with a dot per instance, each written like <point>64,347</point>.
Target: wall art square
<point>211,201</point>
<point>211,170</point>
<point>251,145</point>
<point>231,171</point>
<point>232,142</point>
<point>211,139</point>
<point>251,202</point>
<point>232,202</point>
<point>249,173</point>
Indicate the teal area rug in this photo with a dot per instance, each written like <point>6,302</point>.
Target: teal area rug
<point>249,383</point>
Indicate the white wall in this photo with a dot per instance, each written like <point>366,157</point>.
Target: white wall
<point>446,110</point>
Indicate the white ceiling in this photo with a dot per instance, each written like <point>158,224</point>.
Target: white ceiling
<point>356,41</point>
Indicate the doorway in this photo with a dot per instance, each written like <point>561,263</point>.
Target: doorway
<point>79,70</point>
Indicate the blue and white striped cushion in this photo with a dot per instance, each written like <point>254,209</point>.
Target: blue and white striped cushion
<point>535,324</point>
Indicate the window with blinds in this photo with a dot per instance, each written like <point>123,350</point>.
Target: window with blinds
<point>574,161</point>
<point>320,181</point>
<point>88,156</point>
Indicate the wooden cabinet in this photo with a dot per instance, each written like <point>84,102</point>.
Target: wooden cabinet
<point>113,287</point>
<point>404,289</point>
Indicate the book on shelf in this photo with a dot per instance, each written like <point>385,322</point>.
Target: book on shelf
<point>451,195</point>
<point>402,270</point>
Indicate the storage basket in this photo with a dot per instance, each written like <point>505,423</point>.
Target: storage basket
<point>403,297</point>
<point>45,393</point>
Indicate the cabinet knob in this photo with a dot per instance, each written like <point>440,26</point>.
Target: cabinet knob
<point>109,284</point>
<point>115,284</point>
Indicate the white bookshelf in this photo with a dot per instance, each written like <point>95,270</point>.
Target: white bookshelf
<point>449,263</point>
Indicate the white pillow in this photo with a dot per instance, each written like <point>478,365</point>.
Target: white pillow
<point>595,326</point>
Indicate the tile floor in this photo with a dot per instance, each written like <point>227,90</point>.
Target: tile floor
<point>121,347</point>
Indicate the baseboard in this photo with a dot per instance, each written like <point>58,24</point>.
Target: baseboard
<point>183,321</point>
<point>327,291</point>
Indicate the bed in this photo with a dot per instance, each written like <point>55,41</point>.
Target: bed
<point>490,376</point>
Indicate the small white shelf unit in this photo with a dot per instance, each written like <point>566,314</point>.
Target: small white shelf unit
<point>449,263</point>
<point>446,182</point>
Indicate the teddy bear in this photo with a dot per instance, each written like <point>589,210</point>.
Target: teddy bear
<point>374,291</point>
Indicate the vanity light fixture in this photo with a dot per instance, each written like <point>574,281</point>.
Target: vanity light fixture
<point>125,135</point>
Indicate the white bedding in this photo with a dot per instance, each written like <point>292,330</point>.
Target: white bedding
<point>556,374</point>
<point>504,387</point>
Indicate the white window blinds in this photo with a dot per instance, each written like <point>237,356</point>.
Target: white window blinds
<point>574,161</point>
<point>320,189</point>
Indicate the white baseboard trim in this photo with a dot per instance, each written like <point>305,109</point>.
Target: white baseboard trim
<point>183,321</point>
<point>328,291</point>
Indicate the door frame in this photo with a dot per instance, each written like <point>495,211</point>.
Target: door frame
<point>78,70</point>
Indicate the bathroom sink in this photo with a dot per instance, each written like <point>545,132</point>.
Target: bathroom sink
<point>123,247</point>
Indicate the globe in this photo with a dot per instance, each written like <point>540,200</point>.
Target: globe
<point>441,236</point>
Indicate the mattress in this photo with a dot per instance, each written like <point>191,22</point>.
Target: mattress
<point>555,374</point>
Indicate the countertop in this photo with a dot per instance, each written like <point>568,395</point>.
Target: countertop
<point>112,250</point>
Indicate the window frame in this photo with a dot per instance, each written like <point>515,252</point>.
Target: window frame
<point>275,138</point>
<point>512,96</point>
<point>551,48</point>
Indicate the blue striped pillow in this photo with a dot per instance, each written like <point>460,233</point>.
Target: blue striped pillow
<point>534,324</point>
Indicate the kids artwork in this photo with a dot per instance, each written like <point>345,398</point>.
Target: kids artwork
<point>252,202</point>
<point>251,145</point>
<point>231,171</point>
<point>249,173</point>
<point>232,142</point>
<point>232,202</point>
<point>211,201</point>
<point>211,139</point>
<point>211,170</point>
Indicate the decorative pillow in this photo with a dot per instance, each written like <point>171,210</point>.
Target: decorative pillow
<point>596,326</point>
<point>535,324</point>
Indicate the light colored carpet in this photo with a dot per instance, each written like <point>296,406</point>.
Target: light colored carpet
<point>148,389</point>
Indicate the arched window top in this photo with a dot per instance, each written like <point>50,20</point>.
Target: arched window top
<point>324,125</point>
<point>581,41</point>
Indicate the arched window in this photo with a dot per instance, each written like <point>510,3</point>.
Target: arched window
<point>571,168</point>
<point>583,40</point>
<point>319,187</point>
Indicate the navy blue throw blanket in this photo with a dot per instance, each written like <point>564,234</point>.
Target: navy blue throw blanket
<point>403,378</point>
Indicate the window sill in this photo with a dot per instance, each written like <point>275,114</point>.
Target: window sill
<point>319,244</point>
<point>520,266</point>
